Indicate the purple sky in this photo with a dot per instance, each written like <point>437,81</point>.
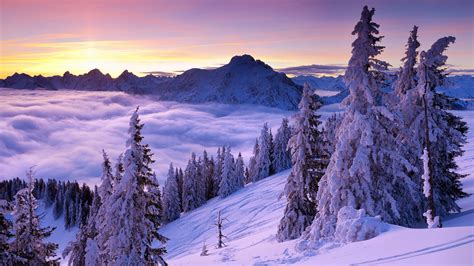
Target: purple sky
<point>50,37</point>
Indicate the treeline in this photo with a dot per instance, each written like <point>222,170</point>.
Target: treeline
<point>67,198</point>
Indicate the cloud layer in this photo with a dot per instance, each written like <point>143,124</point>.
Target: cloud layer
<point>63,133</point>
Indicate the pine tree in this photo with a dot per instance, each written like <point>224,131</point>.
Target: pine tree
<point>207,172</point>
<point>253,167</point>
<point>29,242</point>
<point>6,256</point>
<point>171,204</point>
<point>218,170</point>
<point>263,161</point>
<point>442,134</point>
<point>133,208</point>
<point>190,188</point>
<point>281,154</point>
<point>365,170</point>
<point>309,163</point>
<point>228,182</point>
<point>239,172</point>
<point>119,170</point>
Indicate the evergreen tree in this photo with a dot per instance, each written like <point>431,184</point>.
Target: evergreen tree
<point>253,167</point>
<point>365,170</point>
<point>239,172</point>
<point>132,216</point>
<point>190,188</point>
<point>263,161</point>
<point>207,172</point>
<point>29,243</point>
<point>119,170</point>
<point>228,182</point>
<point>6,256</point>
<point>218,170</point>
<point>281,154</point>
<point>442,133</point>
<point>171,202</point>
<point>309,163</point>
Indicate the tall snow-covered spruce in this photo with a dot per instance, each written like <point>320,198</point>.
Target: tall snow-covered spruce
<point>309,163</point>
<point>365,171</point>
<point>6,256</point>
<point>171,204</point>
<point>131,220</point>
<point>442,138</point>
<point>264,158</point>
<point>29,245</point>
<point>228,183</point>
<point>281,154</point>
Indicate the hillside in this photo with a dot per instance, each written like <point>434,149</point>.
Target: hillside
<point>253,214</point>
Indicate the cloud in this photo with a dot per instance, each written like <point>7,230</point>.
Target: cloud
<point>314,70</point>
<point>160,73</point>
<point>63,132</point>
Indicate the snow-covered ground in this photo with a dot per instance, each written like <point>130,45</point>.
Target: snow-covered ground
<point>253,213</point>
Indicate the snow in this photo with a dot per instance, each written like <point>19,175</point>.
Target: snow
<point>253,214</point>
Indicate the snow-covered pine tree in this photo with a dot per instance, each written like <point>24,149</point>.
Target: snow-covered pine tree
<point>239,172</point>
<point>179,180</point>
<point>443,133</point>
<point>253,168</point>
<point>218,170</point>
<point>86,236</point>
<point>171,204</point>
<point>207,172</point>
<point>365,171</point>
<point>263,161</point>
<point>309,163</point>
<point>406,78</point>
<point>29,244</point>
<point>132,216</point>
<point>119,169</point>
<point>190,194</point>
<point>204,251</point>
<point>228,182</point>
<point>281,154</point>
<point>329,132</point>
<point>200,181</point>
<point>6,256</point>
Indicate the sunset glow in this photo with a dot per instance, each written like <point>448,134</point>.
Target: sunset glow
<point>51,37</point>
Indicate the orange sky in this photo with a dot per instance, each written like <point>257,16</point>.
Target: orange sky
<point>50,37</point>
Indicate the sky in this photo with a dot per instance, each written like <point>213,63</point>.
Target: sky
<point>53,36</point>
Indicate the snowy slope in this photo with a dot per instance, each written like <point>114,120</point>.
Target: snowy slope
<point>253,214</point>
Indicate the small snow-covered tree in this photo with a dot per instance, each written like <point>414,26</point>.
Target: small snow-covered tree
<point>29,244</point>
<point>218,170</point>
<point>133,210</point>
<point>264,160</point>
<point>204,251</point>
<point>6,256</point>
<point>253,167</point>
<point>228,182</point>
<point>281,154</point>
<point>239,172</point>
<point>171,209</point>
<point>207,173</point>
<point>309,163</point>
<point>365,170</point>
<point>86,242</point>
<point>220,236</point>
<point>190,189</point>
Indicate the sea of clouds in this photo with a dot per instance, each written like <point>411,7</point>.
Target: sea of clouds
<point>62,133</point>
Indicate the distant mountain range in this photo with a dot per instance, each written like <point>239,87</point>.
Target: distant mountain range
<point>243,80</point>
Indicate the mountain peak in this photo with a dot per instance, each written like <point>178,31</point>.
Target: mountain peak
<point>95,72</point>
<point>242,59</point>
